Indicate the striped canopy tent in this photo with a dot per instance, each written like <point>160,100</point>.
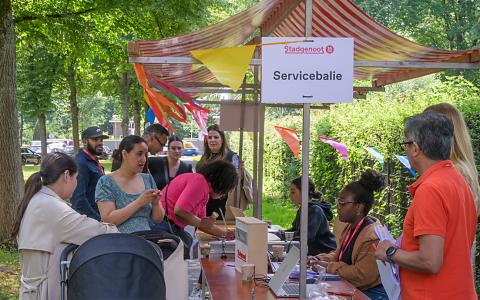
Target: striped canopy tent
<point>381,56</point>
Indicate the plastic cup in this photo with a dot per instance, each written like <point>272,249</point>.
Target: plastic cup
<point>277,251</point>
<point>248,272</point>
<point>205,250</point>
<point>289,235</point>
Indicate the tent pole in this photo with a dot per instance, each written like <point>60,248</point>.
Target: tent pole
<point>305,162</point>
<point>257,211</point>
<point>242,126</point>
<point>261,149</point>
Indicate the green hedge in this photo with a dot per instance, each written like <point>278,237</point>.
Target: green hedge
<point>375,122</point>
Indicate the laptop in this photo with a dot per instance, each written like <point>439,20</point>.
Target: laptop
<point>278,284</point>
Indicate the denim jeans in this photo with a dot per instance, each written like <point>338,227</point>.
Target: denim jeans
<point>376,293</point>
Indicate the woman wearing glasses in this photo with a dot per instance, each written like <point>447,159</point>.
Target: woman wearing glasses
<point>354,259</point>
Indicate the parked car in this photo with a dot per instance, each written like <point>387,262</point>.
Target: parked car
<point>107,152</point>
<point>28,156</point>
<point>56,147</point>
<point>36,149</point>
<point>189,149</point>
<point>69,150</point>
<point>50,148</point>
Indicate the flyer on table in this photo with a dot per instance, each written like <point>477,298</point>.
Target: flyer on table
<point>319,70</point>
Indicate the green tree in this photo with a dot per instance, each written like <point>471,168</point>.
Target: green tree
<point>453,25</point>
<point>11,179</point>
<point>37,72</point>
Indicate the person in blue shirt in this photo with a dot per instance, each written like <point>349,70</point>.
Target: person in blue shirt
<point>89,172</point>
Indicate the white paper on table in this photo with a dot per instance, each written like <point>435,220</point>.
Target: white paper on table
<point>389,273</point>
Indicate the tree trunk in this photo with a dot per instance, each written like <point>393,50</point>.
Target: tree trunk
<point>11,178</point>
<point>21,130</point>
<point>137,112</point>
<point>43,133</point>
<point>124,84</point>
<point>73,104</point>
<point>36,132</point>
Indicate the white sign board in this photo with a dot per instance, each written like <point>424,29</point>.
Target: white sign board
<point>319,70</point>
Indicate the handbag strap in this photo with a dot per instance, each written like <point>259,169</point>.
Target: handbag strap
<point>166,171</point>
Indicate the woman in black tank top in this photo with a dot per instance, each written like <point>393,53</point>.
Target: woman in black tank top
<point>216,148</point>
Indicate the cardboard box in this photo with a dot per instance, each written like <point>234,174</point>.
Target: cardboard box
<point>251,244</point>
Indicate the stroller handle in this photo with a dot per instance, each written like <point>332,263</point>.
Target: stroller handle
<point>64,263</point>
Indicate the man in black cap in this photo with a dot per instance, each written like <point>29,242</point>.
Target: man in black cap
<point>89,171</point>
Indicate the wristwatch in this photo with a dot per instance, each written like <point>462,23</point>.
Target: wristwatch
<point>390,253</point>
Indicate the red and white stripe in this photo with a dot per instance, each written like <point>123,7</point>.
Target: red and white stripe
<point>331,18</point>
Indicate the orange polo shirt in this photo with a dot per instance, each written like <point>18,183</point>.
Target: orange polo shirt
<point>442,205</point>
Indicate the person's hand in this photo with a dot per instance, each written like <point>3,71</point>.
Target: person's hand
<point>207,223</point>
<point>319,266</point>
<point>241,165</point>
<point>230,234</point>
<point>381,252</point>
<point>147,197</point>
<point>311,260</point>
<point>324,257</point>
<point>156,201</point>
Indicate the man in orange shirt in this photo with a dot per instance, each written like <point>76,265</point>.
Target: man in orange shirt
<point>440,225</point>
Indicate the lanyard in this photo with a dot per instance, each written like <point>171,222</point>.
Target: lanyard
<point>95,159</point>
<point>349,237</point>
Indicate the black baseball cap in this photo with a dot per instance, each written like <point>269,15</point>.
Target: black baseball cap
<point>93,132</point>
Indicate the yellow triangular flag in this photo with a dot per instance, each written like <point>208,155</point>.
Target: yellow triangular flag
<point>229,65</point>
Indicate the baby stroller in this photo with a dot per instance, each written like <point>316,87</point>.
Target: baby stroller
<point>175,267</point>
<point>113,266</point>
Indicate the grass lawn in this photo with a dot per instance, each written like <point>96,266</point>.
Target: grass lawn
<point>30,169</point>
<point>275,210</point>
<point>9,273</point>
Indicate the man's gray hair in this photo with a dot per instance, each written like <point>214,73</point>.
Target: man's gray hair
<point>433,133</point>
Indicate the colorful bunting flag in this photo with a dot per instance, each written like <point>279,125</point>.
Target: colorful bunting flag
<point>374,152</point>
<point>229,65</point>
<point>167,100</point>
<point>406,163</point>
<point>159,113</point>
<point>201,118</point>
<point>150,116</point>
<point>341,148</point>
<point>290,137</point>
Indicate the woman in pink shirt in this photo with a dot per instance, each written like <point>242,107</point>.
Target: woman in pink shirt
<point>187,196</point>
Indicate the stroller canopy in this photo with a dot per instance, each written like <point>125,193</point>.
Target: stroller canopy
<point>116,266</point>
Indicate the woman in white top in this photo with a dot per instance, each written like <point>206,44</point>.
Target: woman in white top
<point>45,224</point>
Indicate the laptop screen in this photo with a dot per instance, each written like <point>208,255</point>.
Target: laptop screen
<point>285,268</point>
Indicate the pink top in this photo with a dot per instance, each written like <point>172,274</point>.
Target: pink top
<point>189,191</point>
